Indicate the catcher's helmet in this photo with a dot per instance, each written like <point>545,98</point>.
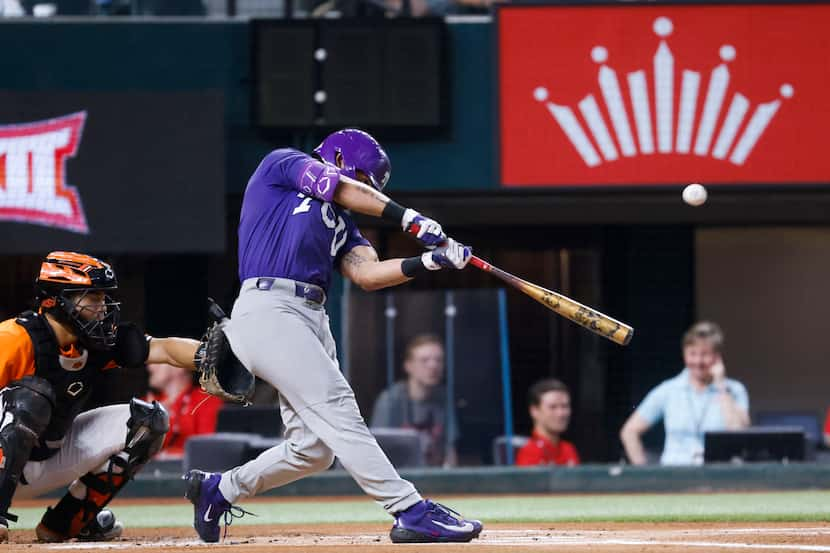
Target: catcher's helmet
<point>358,152</point>
<point>65,279</point>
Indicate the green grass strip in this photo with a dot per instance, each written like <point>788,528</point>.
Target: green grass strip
<point>747,507</point>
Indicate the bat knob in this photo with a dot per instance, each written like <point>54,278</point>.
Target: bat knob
<point>216,313</point>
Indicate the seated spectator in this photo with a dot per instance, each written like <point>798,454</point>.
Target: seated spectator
<point>192,411</point>
<point>422,8</point>
<point>399,8</point>
<point>420,401</point>
<point>549,402</point>
<point>697,400</point>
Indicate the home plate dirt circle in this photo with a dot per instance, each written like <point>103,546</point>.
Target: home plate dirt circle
<point>348,538</point>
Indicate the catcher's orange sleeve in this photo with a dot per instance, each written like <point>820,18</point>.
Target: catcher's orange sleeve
<point>17,355</point>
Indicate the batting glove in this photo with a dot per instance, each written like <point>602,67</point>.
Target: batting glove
<point>451,255</point>
<point>430,233</point>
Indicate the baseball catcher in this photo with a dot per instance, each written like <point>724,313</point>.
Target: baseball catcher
<point>50,358</point>
<point>294,231</point>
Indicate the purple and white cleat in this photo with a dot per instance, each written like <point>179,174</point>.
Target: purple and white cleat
<point>209,506</point>
<point>428,521</point>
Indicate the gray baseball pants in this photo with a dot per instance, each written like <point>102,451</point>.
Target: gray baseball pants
<point>286,341</point>
<point>93,437</point>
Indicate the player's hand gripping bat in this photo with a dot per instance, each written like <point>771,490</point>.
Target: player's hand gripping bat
<point>591,319</point>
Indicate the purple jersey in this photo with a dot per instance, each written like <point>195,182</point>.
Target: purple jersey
<point>287,229</point>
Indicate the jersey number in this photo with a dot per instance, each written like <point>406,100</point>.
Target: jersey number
<point>330,219</point>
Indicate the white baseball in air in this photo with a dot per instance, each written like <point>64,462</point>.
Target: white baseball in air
<point>695,194</point>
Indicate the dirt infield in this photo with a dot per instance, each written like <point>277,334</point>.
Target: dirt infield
<point>537,538</point>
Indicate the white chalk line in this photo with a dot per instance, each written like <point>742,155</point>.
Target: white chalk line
<point>715,544</point>
<point>798,531</point>
<point>506,543</point>
<point>509,538</point>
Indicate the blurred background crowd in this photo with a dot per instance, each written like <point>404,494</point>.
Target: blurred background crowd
<point>247,8</point>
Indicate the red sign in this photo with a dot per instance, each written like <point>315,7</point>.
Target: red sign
<point>33,185</point>
<point>616,95</point>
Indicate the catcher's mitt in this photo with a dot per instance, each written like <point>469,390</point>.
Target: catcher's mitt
<point>220,372</point>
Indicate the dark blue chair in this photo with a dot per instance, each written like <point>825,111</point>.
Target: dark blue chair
<point>806,420</point>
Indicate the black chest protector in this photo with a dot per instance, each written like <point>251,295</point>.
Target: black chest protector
<point>72,387</point>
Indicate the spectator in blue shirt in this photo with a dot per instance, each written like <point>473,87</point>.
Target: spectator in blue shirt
<point>698,400</point>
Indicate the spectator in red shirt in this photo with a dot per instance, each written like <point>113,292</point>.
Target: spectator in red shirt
<point>192,411</point>
<point>549,402</point>
<point>827,429</point>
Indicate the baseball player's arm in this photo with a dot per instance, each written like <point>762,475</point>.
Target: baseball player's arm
<point>17,355</point>
<point>317,179</point>
<point>360,197</point>
<point>173,351</point>
<point>356,196</point>
<point>362,266</point>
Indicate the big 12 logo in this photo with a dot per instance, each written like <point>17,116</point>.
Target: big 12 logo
<point>33,186</point>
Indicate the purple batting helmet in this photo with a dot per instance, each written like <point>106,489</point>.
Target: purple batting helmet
<point>359,152</point>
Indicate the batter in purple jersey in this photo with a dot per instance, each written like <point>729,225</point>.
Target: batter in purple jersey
<point>288,228</point>
<point>293,231</point>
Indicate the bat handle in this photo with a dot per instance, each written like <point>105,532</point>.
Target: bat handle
<point>415,228</point>
<point>216,313</point>
<point>479,263</point>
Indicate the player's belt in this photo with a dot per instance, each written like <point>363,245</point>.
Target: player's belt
<point>308,292</point>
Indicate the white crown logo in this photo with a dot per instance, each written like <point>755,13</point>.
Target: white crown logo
<point>664,92</point>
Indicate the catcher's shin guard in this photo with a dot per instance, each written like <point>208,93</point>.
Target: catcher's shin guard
<point>27,408</point>
<point>147,426</point>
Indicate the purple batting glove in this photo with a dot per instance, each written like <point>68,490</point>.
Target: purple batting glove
<point>429,231</point>
<point>451,255</point>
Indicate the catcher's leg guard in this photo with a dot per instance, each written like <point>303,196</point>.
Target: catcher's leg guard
<point>89,494</point>
<point>27,408</point>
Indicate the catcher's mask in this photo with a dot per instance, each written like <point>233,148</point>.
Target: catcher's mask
<point>77,290</point>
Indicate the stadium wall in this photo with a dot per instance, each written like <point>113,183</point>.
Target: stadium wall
<point>116,55</point>
<point>544,480</point>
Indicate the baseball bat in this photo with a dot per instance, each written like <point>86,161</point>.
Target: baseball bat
<point>593,320</point>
